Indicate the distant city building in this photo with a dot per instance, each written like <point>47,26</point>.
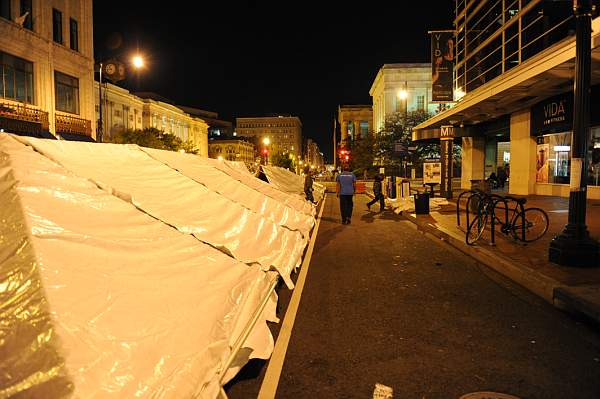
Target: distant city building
<point>217,128</point>
<point>355,121</point>
<point>123,110</point>
<point>284,133</point>
<point>399,88</point>
<point>46,53</point>
<point>232,150</point>
<point>313,155</point>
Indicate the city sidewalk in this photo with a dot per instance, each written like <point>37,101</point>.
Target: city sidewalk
<point>573,289</point>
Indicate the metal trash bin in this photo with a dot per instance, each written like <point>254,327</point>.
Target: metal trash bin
<point>422,203</point>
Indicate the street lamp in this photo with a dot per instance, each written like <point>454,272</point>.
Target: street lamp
<point>266,141</point>
<point>115,72</point>
<point>574,246</point>
<point>403,95</point>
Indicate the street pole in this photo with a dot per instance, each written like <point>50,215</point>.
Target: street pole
<point>574,246</point>
<point>100,119</point>
<point>334,144</point>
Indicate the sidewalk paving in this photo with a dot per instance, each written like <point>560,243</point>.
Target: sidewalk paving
<point>573,289</point>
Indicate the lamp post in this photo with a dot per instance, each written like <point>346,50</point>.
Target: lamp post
<point>100,118</point>
<point>114,71</point>
<point>266,141</point>
<point>574,246</point>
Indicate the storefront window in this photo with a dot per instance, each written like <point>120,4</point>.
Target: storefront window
<point>553,158</point>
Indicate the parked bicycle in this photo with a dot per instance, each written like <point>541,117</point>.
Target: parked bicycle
<point>525,224</point>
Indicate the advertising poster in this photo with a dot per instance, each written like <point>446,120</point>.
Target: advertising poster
<point>442,66</point>
<point>432,172</point>
<point>541,163</point>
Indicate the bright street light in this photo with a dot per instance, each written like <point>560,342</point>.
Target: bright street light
<point>402,94</point>
<point>138,61</point>
<point>266,141</point>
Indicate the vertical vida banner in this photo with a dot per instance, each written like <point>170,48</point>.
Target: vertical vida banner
<point>442,66</point>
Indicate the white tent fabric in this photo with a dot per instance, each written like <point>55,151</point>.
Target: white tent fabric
<point>290,182</point>
<point>206,172</point>
<point>175,199</point>
<point>290,199</point>
<point>98,299</point>
<point>238,165</point>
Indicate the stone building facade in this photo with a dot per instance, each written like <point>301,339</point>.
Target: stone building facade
<point>122,110</point>
<point>355,121</point>
<point>232,150</point>
<point>395,81</point>
<point>46,55</point>
<point>284,133</point>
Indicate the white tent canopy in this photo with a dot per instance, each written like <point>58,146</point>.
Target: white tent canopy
<point>101,297</point>
<point>177,200</point>
<point>207,172</point>
<point>290,182</point>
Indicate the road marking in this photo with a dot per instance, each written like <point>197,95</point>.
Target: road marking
<point>273,373</point>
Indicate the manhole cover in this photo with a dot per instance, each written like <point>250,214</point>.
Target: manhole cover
<point>487,395</point>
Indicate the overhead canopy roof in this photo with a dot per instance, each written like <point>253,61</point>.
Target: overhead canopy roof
<point>549,73</point>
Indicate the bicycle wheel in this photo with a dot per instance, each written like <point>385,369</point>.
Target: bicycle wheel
<point>536,224</point>
<point>476,228</point>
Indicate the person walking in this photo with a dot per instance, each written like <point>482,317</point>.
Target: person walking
<point>345,188</point>
<point>308,185</point>
<point>377,191</point>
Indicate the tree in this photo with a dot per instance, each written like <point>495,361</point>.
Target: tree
<point>397,130</point>
<point>362,155</point>
<point>154,138</point>
<point>283,161</point>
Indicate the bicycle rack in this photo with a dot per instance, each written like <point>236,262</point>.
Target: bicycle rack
<point>473,193</point>
<point>494,200</point>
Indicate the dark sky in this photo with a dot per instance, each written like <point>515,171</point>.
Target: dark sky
<point>251,58</point>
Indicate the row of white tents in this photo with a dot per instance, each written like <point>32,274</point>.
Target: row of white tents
<point>133,272</point>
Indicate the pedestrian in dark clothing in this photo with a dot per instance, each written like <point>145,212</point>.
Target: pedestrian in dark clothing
<point>308,185</point>
<point>378,194</point>
<point>346,186</point>
<point>493,180</point>
<point>502,177</point>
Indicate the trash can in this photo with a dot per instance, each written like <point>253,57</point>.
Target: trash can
<point>422,203</point>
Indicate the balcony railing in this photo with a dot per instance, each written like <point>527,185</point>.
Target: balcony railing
<point>73,125</point>
<point>25,113</point>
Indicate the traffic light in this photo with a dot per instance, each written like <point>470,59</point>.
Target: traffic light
<point>265,151</point>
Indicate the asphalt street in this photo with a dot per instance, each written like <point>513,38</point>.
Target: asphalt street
<point>385,304</point>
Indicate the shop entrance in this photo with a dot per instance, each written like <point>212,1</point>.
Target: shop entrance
<point>497,161</point>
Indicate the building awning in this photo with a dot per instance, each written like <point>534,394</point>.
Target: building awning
<point>547,74</point>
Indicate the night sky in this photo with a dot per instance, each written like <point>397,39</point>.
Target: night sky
<point>252,58</point>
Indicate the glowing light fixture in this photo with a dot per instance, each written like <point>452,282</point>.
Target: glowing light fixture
<point>562,148</point>
<point>138,61</point>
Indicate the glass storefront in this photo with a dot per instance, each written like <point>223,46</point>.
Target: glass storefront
<point>553,158</point>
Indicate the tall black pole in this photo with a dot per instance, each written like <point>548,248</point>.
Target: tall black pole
<point>574,246</point>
